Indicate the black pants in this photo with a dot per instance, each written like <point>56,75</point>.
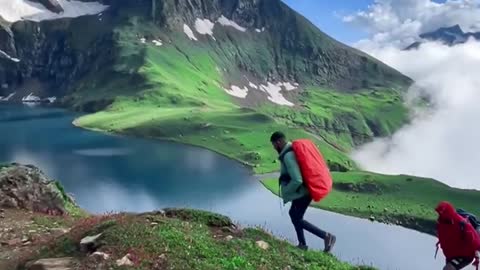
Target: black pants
<point>297,211</point>
<point>460,263</point>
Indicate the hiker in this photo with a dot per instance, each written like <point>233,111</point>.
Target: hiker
<point>457,237</point>
<point>295,188</point>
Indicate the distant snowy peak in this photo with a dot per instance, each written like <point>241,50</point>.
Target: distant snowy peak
<point>17,10</point>
<point>450,36</point>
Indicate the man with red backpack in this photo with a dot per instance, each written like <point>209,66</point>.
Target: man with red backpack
<point>304,177</point>
<point>457,237</point>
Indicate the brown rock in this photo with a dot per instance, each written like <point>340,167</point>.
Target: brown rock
<point>51,264</point>
<point>26,187</point>
<point>14,242</point>
<point>101,255</point>
<point>90,243</point>
<point>125,261</point>
<point>262,244</point>
<point>59,231</point>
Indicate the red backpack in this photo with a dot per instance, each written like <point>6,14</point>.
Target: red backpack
<point>456,235</point>
<point>315,173</point>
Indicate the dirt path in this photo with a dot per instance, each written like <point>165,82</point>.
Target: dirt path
<point>22,231</point>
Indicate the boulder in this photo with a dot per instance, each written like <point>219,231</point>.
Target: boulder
<point>90,243</point>
<point>12,242</point>
<point>125,261</point>
<point>262,244</point>
<point>51,264</point>
<point>101,255</point>
<point>26,187</point>
<point>59,231</point>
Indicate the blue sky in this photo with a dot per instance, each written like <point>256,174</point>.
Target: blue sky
<point>326,14</point>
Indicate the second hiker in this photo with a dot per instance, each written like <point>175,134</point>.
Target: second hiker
<point>304,177</point>
<point>457,237</point>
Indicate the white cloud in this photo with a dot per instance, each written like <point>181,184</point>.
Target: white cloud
<point>398,22</point>
<point>443,142</point>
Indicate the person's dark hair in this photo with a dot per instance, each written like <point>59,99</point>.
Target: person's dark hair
<point>276,136</point>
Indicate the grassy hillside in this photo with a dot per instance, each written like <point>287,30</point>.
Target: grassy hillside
<point>174,239</point>
<point>181,98</point>
<point>403,200</point>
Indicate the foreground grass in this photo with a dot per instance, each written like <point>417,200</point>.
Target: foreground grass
<point>185,239</point>
<point>403,200</point>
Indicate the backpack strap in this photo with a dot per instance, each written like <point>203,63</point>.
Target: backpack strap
<point>282,156</point>
<point>436,251</point>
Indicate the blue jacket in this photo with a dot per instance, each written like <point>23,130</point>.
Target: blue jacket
<point>291,181</point>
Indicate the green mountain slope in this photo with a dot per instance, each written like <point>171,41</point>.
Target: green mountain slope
<point>247,68</point>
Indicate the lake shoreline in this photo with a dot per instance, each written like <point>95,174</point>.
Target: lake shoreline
<point>249,167</point>
<point>157,174</point>
<point>403,221</point>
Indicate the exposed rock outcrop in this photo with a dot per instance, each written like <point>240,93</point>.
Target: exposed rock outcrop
<point>26,187</point>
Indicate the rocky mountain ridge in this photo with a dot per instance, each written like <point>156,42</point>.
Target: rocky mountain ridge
<point>450,36</point>
<point>55,56</point>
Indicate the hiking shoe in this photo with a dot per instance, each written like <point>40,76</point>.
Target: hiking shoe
<point>329,242</point>
<point>303,247</point>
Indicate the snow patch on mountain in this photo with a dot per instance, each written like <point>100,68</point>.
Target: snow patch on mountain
<point>52,99</point>
<point>7,56</point>
<point>252,85</point>
<point>288,86</point>
<point>188,31</point>
<point>31,98</point>
<point>17,10</point>
<point>7,98</point>
<point>237,91</point>
<point>226,22</point>
<point>204,27</point>
<point>274,92</point>
<point>157,43</point>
